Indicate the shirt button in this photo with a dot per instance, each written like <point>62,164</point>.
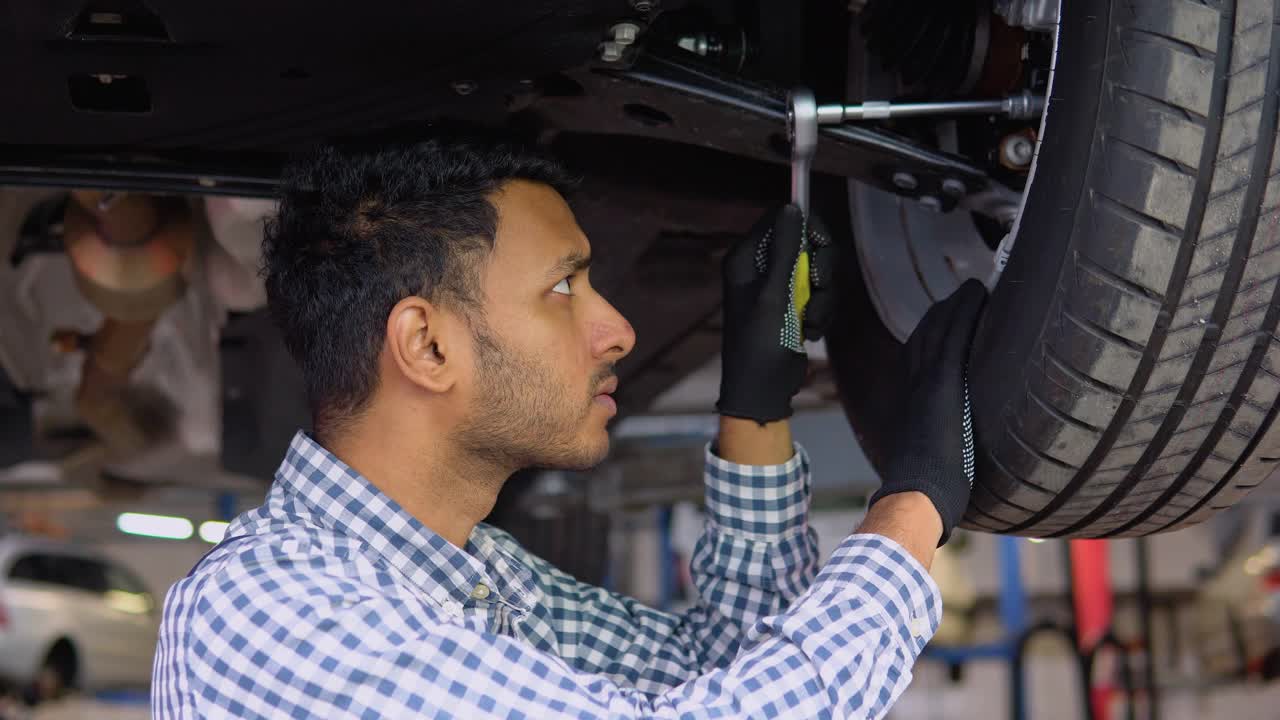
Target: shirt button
<point>480,592</point>
<point>920,626</point>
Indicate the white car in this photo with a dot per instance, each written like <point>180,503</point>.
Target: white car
<point>72,619</point>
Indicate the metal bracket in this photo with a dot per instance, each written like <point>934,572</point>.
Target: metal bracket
<point>712,109</point>
<point>657,97</point>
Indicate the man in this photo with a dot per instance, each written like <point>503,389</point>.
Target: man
<point>438,300</point>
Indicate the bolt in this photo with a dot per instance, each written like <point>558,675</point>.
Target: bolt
<point>953,187</point>
<point>1017,151</point>
<point>643,6</point>
<point>931,203</point>
<point>905,181</point>
<point>464,87</point>
<point>625,33</point>
<point>611,52</point>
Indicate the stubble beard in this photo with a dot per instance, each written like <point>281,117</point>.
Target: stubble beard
<point>521,415</point>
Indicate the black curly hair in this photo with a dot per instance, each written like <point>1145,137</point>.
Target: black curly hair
<point>362,227</point>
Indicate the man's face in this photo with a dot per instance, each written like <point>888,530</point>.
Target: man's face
<point>547,343</point>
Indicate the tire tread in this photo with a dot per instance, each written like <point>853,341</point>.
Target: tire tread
<point>1203,399</point>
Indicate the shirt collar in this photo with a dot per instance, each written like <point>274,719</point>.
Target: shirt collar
<point>344,501</point>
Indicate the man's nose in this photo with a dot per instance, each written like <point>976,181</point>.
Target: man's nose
<point>611,335</point>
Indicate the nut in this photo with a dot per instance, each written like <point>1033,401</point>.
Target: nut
<point>954,187</point>
<point>611,52</point>
<point>1016,151</point>
<point>905,181</point>
<point>625,33</point>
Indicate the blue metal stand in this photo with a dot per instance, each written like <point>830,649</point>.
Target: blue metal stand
<point>1019,632</point>
<point>1014,617</point>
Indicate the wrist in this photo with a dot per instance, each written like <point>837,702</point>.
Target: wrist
<point>909,518</point>
<point>747,442</point>
<point>943,483</point>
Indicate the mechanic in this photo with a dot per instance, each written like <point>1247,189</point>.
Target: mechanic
<point>438,300</point>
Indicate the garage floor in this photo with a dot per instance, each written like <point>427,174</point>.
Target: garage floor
<point>85,708</point>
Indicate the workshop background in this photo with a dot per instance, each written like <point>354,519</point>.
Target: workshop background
<point>1176,626</point>
<point>145,398</point>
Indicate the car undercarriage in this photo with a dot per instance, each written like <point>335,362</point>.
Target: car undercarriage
<point>674,115</point>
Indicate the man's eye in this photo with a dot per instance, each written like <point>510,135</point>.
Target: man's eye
<point>563,287</point>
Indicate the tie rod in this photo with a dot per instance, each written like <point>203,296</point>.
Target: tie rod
<point>1017,107</point>
<point>804,116</point>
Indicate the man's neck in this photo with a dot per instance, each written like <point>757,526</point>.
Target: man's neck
<point>447,493</point>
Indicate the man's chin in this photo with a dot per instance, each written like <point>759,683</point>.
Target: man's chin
<point>600,453</point>
<point>589,454</point>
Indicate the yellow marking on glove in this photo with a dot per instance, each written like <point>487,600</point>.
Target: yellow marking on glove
<point>800,287</point>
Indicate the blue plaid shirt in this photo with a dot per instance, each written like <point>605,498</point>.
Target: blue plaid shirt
<point>331,601</point>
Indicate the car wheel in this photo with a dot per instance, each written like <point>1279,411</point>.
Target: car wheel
<point>56,675</point>
<point>1126,372</point>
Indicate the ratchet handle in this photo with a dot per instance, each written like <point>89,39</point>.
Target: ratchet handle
<point>802,132</point>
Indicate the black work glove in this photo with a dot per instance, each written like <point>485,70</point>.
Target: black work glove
<point>762,352</point>
<point>932,445</point>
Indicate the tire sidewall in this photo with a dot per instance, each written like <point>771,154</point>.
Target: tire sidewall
<point>1021,307</point>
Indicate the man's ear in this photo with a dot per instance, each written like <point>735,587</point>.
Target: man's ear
<point>421,342</point>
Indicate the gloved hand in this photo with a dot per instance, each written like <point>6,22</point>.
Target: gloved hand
<point>762,352</point>
<point>932,446</point>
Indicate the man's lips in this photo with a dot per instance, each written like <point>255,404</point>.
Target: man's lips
<point>604,396</point>
<point>609,386</point>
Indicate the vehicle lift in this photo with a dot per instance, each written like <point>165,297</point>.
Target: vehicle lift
<point>1090,632</point>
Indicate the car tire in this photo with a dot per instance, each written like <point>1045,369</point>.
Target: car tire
<point>1126,371</point>
<point>55,677</point>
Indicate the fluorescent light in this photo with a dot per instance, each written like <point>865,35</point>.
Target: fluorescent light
<point>157,526</point>
<point>212,531</point>
<point>1036,541</point>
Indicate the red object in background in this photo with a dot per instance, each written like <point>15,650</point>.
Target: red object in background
<point>1271,581</point>
<point>1091,590</point>
<point>1095,605</point>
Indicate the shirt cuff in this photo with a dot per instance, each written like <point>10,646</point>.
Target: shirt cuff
<point>888,577</point>
<point>759,502</point>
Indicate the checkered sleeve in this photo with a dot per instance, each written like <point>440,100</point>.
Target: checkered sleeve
<point>292,634</point>
<point>756,555</point>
